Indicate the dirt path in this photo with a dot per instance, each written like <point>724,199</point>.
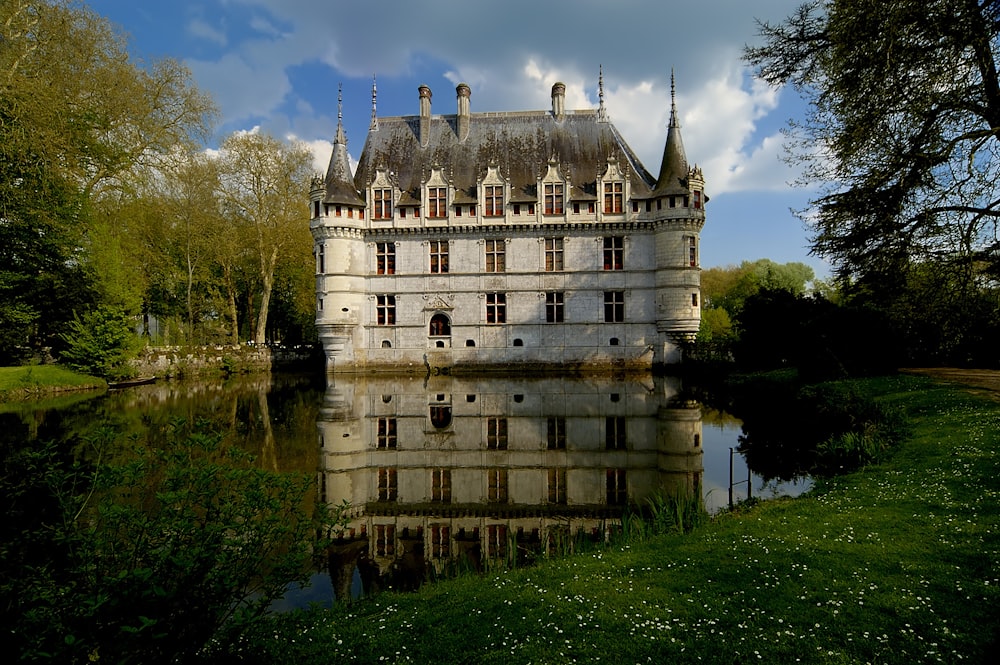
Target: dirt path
<point>984,382</point>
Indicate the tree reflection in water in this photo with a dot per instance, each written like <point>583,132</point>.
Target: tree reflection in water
<point>442,473</point>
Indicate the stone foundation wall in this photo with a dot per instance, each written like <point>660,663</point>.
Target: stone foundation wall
<point>176,361</point>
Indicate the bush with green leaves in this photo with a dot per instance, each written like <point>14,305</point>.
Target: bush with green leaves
<point>102,342</point>
<point>150,557</point>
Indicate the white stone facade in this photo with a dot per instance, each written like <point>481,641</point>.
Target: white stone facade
<point>477,253</point>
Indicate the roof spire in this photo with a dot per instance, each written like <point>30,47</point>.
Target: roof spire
<point>339,181</point>
<point>341,137</point>
<point>674,167</point>
<point>374,124</point>
<point>602,113</point>
<point>673,102</point>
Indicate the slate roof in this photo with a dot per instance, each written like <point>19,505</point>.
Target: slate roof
<point>520,143</point>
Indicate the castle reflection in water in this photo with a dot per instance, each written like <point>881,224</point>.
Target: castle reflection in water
<point>448,471</point>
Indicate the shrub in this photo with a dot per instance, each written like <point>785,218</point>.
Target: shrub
<point>101,343</point>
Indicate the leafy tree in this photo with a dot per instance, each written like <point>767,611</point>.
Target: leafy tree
<point>80,121</point>
<point>725,290</point>
<point>190,224</point>
<point>262,184</point>
<point>149,554</point>
<point>902,133</point>
<point>730,286</point>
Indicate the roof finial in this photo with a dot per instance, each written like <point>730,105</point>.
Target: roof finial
<point>673,101</point>
<point>341,137</point>
<point>374,124</point>
<point>602,113</point>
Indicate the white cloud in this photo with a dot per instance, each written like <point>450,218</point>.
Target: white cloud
<point>201,29</point>
<point>513,64</point>
<point>321,151</point>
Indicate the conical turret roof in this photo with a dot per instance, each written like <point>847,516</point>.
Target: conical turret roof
<point>339,180</point>
<point>674,167</point>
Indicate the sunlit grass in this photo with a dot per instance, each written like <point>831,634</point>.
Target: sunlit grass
<point>32,380</point>
<point>897,563</point>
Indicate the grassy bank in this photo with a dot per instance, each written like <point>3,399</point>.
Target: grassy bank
<point>33,381</point>
<point>898,563</point>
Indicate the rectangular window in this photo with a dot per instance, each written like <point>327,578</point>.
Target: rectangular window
<point>439,256</point>
<point>493,200</point>
<point>437,199</point>
<point>385,258</point>
<point>612,197</point>
<point>496,433</point>
<point>386,433</point>
<point>614,433</point>
<point>385,540</point>
<point>385,310</point>
<point>616,489</point>
<point>692,251</point>
<point>440,542</point>
<point>553,199</point>
<point>517,208</point>
<point>697,199</point>
<point>614,253</point>
<point>383,204</point>
<point>496,308</point>
<point>386,484</point>
<point>441,485</point>
<point>556,434</point>
<point>554,307</point>
<point>614,306</point>
<point>553,254</point>
<point>496,256</point>
<point>496,541</point>
<point>321,258</point>
<point>497,485</point>
<point>557,486</point>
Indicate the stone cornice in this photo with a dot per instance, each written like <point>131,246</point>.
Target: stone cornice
<point>496,230</point>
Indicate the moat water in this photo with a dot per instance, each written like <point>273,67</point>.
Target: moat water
<point>442,472</point>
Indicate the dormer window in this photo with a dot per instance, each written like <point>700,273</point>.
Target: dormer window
<point>493,201</point>
<point>613,192</point>
<point>437,199</point>
<point>554,199</point>
<point>382,199</point>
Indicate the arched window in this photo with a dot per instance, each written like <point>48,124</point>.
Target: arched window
<point>440,325</point>
<point>440,416</point>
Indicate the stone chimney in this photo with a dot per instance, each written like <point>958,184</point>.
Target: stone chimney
<point>464,93</point>
<point>558,100</point>
<point>425,114</point>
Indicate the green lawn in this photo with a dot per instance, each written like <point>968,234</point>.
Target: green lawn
<point>35,380</point>
<point>898,563</point>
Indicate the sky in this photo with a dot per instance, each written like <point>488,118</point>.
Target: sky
<point>277,65</point>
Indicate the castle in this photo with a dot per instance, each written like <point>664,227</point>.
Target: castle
<point>511,241</point>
